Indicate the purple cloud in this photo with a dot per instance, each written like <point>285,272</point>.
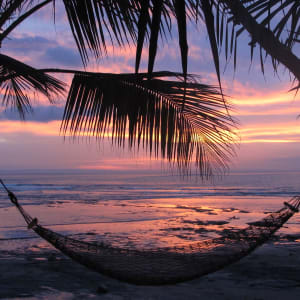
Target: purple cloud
<point>39,114</point>
<point>63,56</point>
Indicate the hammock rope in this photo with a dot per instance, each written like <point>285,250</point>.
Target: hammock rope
<point>166,265</point>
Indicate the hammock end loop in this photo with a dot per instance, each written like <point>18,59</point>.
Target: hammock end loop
<point>11,195</point>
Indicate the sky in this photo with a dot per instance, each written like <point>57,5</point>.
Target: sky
<point>267,112</point>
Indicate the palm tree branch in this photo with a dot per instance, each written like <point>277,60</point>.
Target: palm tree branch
<point>17,77</point>
<point>9,11</point>
<point>90,19</point>
<point>20,19</point>
<point>267,39</point>
<point>150,113</point>
<point>155,27</point>
<point>142,30</point>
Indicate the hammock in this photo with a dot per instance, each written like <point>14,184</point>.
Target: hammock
<point>166,265</point>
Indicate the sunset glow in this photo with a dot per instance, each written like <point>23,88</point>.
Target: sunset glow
<point>149,149</point>
<point>265,109</point>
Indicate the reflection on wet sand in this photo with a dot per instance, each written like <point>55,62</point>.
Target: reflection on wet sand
<point>145,223</point>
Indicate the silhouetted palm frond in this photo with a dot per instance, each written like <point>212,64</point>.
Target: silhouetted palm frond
<point>285,14</point>
<point>181,16</point>
<point>17,77</point>
<point>209,18</point>
<point>9,23</point>
<point>9,9</point>
<point>280,18</point>
<point>149,113</point>
<point>93,22</point>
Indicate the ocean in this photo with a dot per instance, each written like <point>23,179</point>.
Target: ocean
<point>142,210</point>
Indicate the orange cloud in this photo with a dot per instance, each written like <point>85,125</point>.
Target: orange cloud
<point>124,163</point>
<point>270,141</point>
<point>286,132</point>
<point>245,96</point>
<point>290,110</point>
<point>51,128</point>
<point>36,128</point>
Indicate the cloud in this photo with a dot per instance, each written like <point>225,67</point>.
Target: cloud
<point>127,163</point>
<point>26,44</point>
<point>268,156</point>
<point>62,56</point>
<point>42,52</point>
<point>279,110</point>
<point>275,132</point>
<point>244,96</point>
<point>40,114</point>
<point>35,128</point>
<point>266,111</point>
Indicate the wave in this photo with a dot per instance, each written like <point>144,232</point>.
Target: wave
<point>38,187</point>
<point>37,194</point>
<point>53,189</point>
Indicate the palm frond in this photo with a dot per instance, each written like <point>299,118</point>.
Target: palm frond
<point>278,18</point>
<point>10,26</point>
<point>209,22</point>
<point>155,27</point>
<point>149,113</point>
<point>10,9</point>
<point>16,78</point>
<point>92,20</point>
<point>94,23</point>
<point>286,15</point>
<point>144,19</point>
<point>180,12</point>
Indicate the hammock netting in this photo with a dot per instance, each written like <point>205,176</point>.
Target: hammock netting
<point>166,265</point>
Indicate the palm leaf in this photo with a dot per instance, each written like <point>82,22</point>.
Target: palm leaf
<point>281,18</point>
<point>10,26</point>
<point>10,9</point>
<point>17,77</point>
<point>142,30</point>
<point>287,14</point>
<point>209,22</point>
<point>149,113</point>
<point>92,20</point>
<point>180,12</point>
<point>155,27</point>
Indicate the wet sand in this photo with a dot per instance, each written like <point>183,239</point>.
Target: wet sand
<point>31,272</point>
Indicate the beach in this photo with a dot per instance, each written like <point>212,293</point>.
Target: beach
<point>144,212</point>
<point>271,272</point>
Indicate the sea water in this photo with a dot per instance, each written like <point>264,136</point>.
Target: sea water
<point>142,210</point>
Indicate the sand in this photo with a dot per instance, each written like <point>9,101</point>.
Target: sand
<point>30,272</point>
